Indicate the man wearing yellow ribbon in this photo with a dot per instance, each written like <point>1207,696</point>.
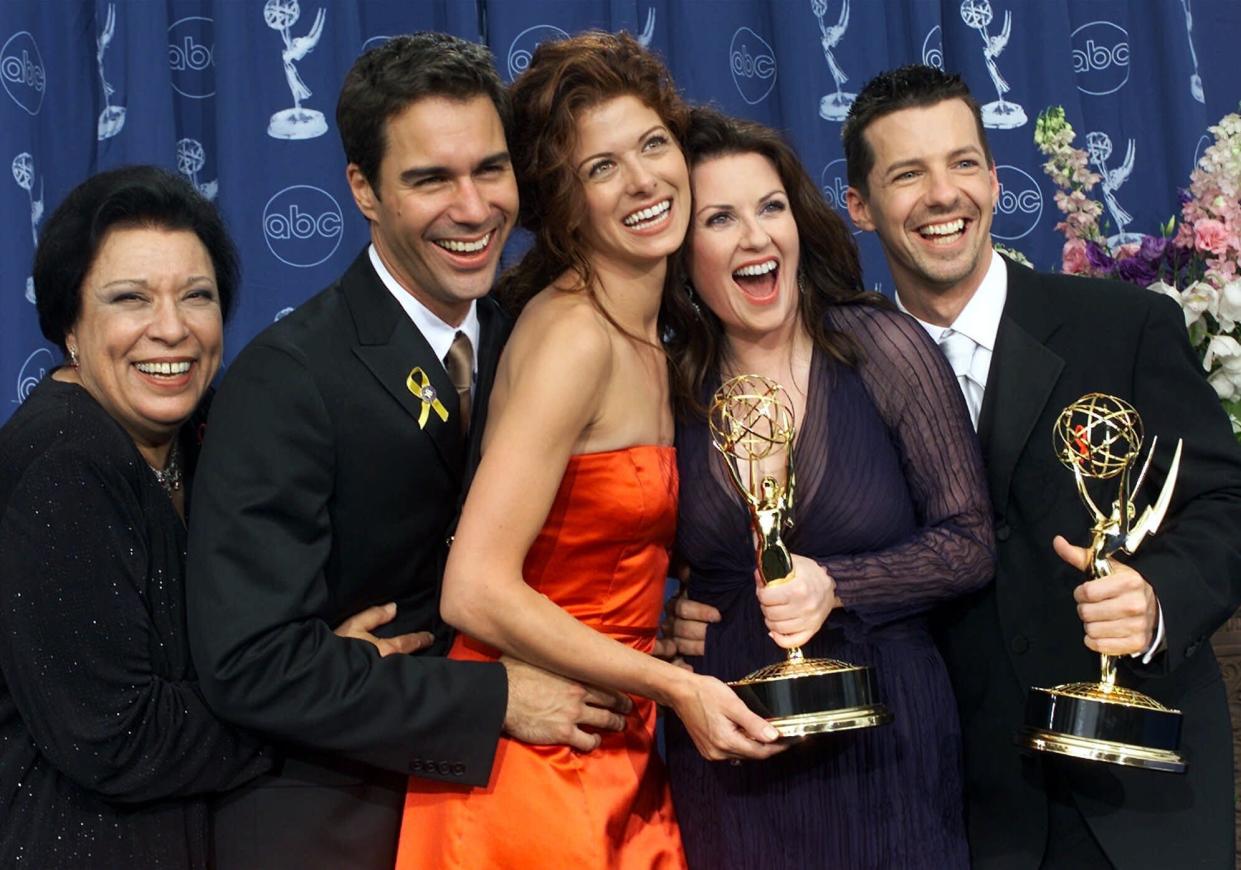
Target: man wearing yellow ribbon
<point>339,449</point>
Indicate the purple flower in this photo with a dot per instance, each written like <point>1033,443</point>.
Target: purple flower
<point>1152,249</point>
<point>1136,270</point>
<point>1178,256</point>
<point>1099,259</point>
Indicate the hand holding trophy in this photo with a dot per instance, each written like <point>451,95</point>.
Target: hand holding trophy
<point>752,427</point>
<point>1099,437</point>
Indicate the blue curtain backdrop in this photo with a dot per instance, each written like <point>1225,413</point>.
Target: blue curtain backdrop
<point>203,87</point>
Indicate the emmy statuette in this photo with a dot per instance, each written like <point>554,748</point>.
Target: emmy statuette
<point>752,427</point>
<point>1099,437</point>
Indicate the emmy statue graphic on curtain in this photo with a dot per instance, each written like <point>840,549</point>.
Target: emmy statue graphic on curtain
<point>1000,114</point>
<point>23,174</point>
<point>190,159</point>
<point>1195,80</point>
<point>297,122</point>
<point>1099,147</point>
<point>648,31</point>
<point>112,118</point>
<point>833,107</point>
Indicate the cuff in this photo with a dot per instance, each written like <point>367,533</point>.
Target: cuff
<point>1157,644</point>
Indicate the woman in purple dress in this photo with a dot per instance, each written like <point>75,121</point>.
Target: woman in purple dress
<point>891,519</point>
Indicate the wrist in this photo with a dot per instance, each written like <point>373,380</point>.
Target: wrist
<point>673,686</point>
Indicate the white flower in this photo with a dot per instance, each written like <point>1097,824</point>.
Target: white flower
<point>1199,298</point>
<point>1166,289</point>
<point>1227,382</point>
<point>1229,308</point>
<point>1224,350</point>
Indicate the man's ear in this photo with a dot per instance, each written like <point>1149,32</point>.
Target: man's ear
<point>364,195</point>
<point>859,211</point>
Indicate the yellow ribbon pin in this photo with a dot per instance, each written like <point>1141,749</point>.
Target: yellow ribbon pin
<point>419,384</point>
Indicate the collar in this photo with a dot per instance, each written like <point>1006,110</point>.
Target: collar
<point>437,333</point>
<point>980,318</point>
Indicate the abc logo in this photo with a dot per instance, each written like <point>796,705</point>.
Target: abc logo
<point>32,371</point>
<point>22,72</point>
<point>753,65</point>
<point>522,49</point>
<point>933,48</point>
<point>1018,206</point>
<point>833,184</point>
<point>303,225</point>
<point>1100,57</point>
<point>191,57</point>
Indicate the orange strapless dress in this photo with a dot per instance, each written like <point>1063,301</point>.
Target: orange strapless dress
<point>602,555</point>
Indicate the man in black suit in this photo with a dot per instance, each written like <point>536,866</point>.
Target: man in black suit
<point>336,463</point>
<point>1025,345</point>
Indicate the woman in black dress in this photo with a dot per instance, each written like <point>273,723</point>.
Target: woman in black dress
<point>891,517</point>
<point>108,752</point>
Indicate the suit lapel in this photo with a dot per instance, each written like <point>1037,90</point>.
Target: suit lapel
<point>1023,374</point>
<point>493,329</point>
<point>390,346</point>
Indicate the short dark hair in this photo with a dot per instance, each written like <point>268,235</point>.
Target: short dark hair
<point>908,87</point>
<point>388,78</point>
<point>125,198</point>
<point>830,272</point>
<point>566,78</point>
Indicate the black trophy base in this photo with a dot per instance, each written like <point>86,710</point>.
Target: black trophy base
<point>1095,722</point>
<point>814,696</point>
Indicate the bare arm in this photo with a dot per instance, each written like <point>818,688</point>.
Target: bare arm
<point>553,376</point>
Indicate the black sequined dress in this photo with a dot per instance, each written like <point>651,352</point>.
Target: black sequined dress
<point>891,500</point>
<point>108,752</point>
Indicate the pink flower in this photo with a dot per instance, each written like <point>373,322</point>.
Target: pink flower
<point>1073,258</point>
<point>1129,249</point>
<point>1211,236</point>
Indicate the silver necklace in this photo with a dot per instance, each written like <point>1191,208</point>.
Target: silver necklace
<point>169,477</point>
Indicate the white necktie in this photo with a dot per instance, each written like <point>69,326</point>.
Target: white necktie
<point>960,349</point>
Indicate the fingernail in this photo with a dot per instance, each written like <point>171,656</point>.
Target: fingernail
<point>770,733</point>
<point>390,607</point>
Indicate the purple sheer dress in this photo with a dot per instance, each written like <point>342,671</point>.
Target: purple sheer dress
<point>891,500</point>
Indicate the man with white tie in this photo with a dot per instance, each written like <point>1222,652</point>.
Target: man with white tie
<point>339,448</point>
<point>1024,345</point>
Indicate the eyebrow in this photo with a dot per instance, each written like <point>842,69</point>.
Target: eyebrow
<point>586,160</point>
<point>417,173</point>
<point>143,283</point>
<point>779,191</point>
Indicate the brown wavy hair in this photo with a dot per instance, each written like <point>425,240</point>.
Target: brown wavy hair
<point>830,272</point>
<point>564,79</point>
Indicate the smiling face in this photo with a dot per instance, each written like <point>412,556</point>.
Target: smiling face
<point>634,180</point>
<point>744,247</point>
<point>931,196</point>
<point>150,332</point>
<point>445,202</point>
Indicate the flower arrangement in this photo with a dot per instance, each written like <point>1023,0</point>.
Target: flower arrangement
<point>1195,263</point>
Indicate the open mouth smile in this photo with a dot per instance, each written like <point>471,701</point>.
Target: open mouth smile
<point>649,217</point>
<point>945,233</point>
<point>164,369</point>
<point>463,247</point>
<point>758,280</point>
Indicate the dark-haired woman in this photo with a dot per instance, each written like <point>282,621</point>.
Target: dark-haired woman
<point>108,753</point>
<point>891,518</point>
<point>562,549</point>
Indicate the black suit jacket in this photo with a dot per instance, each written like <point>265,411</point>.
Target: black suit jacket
<point>319,495</point>
<point>1061,337</point>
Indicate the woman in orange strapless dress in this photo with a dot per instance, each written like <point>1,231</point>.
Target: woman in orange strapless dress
<point>561,553</point>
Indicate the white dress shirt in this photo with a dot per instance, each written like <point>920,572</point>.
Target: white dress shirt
<point>980,321</point>
<point>437,333</point>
